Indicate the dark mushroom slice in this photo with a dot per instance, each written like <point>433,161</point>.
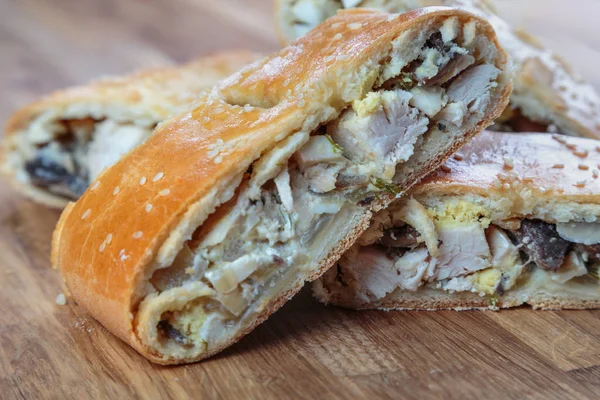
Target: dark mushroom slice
<point>405,236</point>
<point>542,243</point>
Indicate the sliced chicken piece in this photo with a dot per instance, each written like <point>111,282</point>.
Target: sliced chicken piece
<point>386,127</point>
<point>414,267</point>
<point>380,275</point>
<point>504,253</point>
<point>472,85</point>
<point>377,275</point>
<point>464,249</point>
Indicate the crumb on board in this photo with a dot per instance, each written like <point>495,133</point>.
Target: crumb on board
<point>61,299</point>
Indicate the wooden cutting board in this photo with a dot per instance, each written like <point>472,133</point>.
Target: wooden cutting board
<point>305,350</point>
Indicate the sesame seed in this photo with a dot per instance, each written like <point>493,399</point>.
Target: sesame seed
<point>506,186</point>
<point>116,190</point>
<point>286,82</point>
<point>571,146</point>
<point>558,166</point>
<point>393,17</point>
<point>598,149</point>
<point>354,25</point>
<point>95,186</point>
<point>580,184</point>
<point>165,192</point>
<point>218,159</point>
<point>248,108</point>
<point>581,153</point>
<point>122,255</point>
<point>595,173</point>
<point>446,168</point>
<point>458,157</point>
<point>148,207</point>
<point>301,103</point>
<point>137,235</point>
<point>218,110</point>
<point>206,119</point>
<point>528,179</point>
<point>86,213</point>
<point>335,25</point>
<point>583,167</point>
<point>108,238</point>
<point>508,163</point>
<point>158,177</point>
<point>337,36</point>
<point>143,180</point>
<point>102,247</point>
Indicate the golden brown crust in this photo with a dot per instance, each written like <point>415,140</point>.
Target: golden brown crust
<point>546,88</point>
<point>434,300</point>
<point>149,96</point>
<point>157,91</point>
<point>552,166</point>
<point>107,243</point>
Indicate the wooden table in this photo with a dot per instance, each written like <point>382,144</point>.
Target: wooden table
<point>305,350</point>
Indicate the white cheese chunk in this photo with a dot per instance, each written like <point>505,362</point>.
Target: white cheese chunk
<point>319,149</point>
<point>227,276</point>
<point>428,99</point>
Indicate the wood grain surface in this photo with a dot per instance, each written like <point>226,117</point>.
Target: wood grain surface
<point>305,350</point>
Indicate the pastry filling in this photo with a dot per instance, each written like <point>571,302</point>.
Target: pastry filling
<point>454,246</point>
<point>307,14</point>
<point>64,156</point>
<point>304,15</point>
<point>297,200</point>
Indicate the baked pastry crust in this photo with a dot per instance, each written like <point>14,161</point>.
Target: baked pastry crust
<point>108,244</point>
<point>546,91</point>
<point>511,176</point>
<point>144,98</point>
